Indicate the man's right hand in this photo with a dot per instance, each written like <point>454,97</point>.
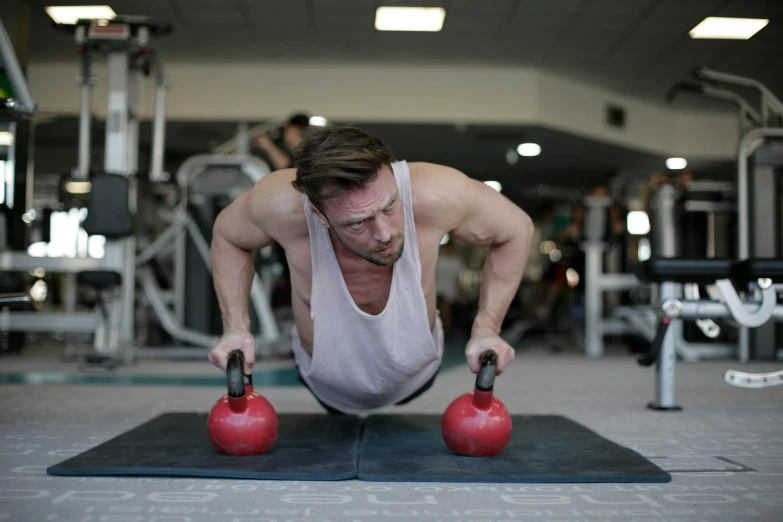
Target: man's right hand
<point>234,340</point>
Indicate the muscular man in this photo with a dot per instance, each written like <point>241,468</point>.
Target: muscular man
<point>361,232</point>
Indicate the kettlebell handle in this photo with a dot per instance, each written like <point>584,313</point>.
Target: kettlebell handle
<point>485,380</point>
<point>236,379</point>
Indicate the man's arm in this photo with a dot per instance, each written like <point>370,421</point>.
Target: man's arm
<point>279,158</point>
<point>479,215</point>
<point>239,229</point>
<point>490,219</point>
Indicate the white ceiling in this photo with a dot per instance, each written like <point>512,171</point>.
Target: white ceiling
<point>638,47</point>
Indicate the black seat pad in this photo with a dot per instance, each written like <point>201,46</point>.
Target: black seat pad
<point>752,269</point>
<point>99,279</point>
<point>679,270</point>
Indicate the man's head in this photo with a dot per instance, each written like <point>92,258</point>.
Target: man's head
<point>292,132</point>
<point>347,176</point>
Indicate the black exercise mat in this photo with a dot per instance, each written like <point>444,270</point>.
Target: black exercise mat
<point>543,448</point>
<point>308,447</point>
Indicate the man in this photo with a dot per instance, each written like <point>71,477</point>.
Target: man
<point>292,136</point>
<point>361,233</point>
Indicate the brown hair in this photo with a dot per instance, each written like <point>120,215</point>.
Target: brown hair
<point>333,160</point>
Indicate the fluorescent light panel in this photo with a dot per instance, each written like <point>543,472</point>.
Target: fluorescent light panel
<point>70,14</point>
<point>714,27</point>
<point>676,163</point>
<point>6,138</point>
<point>428,19</point>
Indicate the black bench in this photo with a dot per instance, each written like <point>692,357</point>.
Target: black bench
<point>707,271</point>
<point>678,270</point>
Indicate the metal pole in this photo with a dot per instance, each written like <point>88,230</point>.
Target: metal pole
<point>159,124</point>
<point>85,81</point>
<point>665,377</point>
<point>594,343</point>
<point>23,103</point>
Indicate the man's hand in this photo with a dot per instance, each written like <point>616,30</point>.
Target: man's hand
<point>234,340</point>
<point>482,341</point>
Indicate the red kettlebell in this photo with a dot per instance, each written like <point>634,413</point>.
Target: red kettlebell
<point>477,424</point>
<point>242,422</point>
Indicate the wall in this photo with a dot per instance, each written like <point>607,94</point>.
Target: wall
<point>406,93</point>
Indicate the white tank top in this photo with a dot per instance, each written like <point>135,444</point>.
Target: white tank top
<point>360,361</point>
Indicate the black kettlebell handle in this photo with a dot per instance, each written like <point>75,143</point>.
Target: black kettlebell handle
<point>485,380</point>
<point>236,379</point>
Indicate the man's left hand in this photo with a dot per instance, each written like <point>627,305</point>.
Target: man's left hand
<point>480,342</point>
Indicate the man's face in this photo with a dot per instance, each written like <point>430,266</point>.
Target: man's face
<point>370,222</point>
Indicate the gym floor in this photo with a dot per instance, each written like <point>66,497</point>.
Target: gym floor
<point>724,450</point>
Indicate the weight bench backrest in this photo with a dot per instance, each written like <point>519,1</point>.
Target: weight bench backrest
<point>108,213</point>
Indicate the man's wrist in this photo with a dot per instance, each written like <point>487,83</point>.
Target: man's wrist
<point>484,327</point>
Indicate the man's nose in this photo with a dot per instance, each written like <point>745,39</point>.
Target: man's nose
<point>382,231</point>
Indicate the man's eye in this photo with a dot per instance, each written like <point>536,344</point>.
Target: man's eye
<point>357,224</point>
<point>390,205</point>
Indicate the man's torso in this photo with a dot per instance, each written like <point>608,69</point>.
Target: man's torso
<point>368,285</point>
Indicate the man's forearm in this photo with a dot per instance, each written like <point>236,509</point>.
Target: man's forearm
<point>500,279</point>
<point>232,272</point>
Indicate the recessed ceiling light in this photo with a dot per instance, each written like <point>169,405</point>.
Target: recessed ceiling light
<point>70,14</point>
<point>529,149</point>
<point>318,121</point>
<point>6,138</point>
<point>728,28</point>
<point>428,19</point>
<point>676,163</point>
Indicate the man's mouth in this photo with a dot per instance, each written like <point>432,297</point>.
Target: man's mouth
<point>388,249</point>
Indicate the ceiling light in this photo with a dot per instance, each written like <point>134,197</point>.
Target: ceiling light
<point>6,138</point>
<point>70,14</point>
<point>78,187</point>
<point>529,149</point>
<point>676,163</point>
<point>409,18</point>
<point>728,28</point>
<point>495,185</point>
<point>318,121</point>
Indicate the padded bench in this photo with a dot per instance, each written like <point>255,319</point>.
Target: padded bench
<point>679,270</point>
<point>707,271</point>
<point>752,269</point>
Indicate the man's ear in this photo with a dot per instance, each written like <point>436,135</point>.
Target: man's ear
<point>317,213</point>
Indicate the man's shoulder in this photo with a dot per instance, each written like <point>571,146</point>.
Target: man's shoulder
<point>433,185</point>
<point>279,204</point>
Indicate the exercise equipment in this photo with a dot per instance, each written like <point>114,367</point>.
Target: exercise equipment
<point>759,162</point>
<point>755,308</point>
<point>126,43</point>
<point>14,299</point>
<point>477,423</point>
<point>597,282</point>
<point>185,308</point>
<point>242,423</point>
<point>385,448</point>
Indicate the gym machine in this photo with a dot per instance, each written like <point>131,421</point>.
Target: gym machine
<point>596,326</point>
<point>200,179</point>
<point>754,309</point>
<point>759,163</point>
<point>125,41</point>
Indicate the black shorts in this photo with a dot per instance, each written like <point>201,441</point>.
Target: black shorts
<point>332,411</point>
